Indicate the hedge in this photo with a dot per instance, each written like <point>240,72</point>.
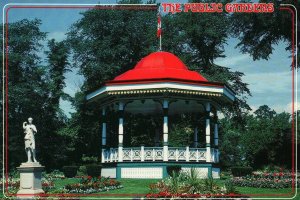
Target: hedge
<point>93,170</point>
<point>241,171</point>
<point>70,171</point>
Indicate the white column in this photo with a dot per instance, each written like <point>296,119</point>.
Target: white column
<point>121,122</point>
<point>102,156</point>
<point>142,153</point>
<point>165,129</point>
<point>103,127</point>
<point>216,136</point>
<point>207,133</point>
<point>196,137</point>
<point>103,136</point>
<point>187,154</point>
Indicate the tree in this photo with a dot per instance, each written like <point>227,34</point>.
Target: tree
<point>30,94</point>
<point>267,138</point>
<point>103,50</point>
<point>57,67</point>
<point>113,45</point>
<point>26,83</point>
<point>231,148</point>
<point>259,33</point>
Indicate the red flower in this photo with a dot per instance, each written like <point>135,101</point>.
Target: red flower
<point>89,177</point>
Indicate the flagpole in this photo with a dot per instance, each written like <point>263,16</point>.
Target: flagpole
<point>159,29</point>
<point>160,42</point>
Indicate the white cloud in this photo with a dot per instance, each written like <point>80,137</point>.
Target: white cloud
<point>233,60</point>
<point>275,82</point>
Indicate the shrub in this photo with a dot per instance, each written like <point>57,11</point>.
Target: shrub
<point>93,170</point>
<point>82,171</point>
<point>173,169</point>
<point>70,171</point>
<point>241,171</point>
<point>230,187</point>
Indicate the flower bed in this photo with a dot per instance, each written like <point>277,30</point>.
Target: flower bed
<point>91,185</point>
<point>265,180</point>
<point>187,185</point>
<point>14,184</point>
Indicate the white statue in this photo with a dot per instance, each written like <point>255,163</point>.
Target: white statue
<point>30,131</point>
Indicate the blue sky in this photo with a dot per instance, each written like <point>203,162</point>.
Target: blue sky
<point>269,80</point>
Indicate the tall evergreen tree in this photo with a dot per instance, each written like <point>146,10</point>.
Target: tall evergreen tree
<point>58,65</point>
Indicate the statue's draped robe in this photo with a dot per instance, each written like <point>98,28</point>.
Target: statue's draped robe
<point>29,131</point>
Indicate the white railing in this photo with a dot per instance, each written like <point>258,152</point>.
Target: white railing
<point>142,153</point>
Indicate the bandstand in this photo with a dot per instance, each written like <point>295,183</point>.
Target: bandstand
<point>161,84</point>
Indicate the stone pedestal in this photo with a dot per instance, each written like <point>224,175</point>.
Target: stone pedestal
<point>30,179</point>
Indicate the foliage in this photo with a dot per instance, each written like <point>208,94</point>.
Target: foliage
<point>82,171</point>
<point>91,185</point>
<point>258,34</point>
<point>182,126</point>
<point>93,170</point>
<point>173,169</point>
<point>70,171</point>
<point>54,175</point>
<point>32,88</point>
<point>58,65</point>
<point>89,159</point>
<point>269,134</point>
<point>184,184</point>
<point>111,46</point>
<point>230,187</point>
<point>241,171</point>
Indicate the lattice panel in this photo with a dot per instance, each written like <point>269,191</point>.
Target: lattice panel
<point>141,172</point>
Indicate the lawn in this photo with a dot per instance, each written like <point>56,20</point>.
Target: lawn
<point>139,187</point>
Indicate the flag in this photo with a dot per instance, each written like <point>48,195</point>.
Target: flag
<point>158,25</point>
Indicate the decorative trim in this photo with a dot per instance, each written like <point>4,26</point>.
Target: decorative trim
<point>163,87</point>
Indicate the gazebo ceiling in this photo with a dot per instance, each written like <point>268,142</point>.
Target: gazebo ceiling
<point>153,107</point>
<point>161,74</point>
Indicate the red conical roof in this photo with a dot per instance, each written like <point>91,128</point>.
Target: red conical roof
<point>160,65</point>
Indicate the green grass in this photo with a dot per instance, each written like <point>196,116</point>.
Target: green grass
<point>60,183</point>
